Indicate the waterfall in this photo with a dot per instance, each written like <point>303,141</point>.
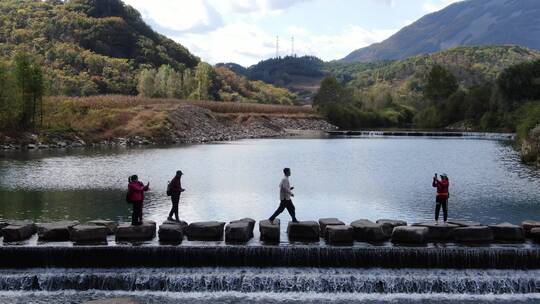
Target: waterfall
<point>269,256</point>
<point>276,280</point>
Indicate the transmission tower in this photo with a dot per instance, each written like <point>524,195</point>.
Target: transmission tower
<point>277,46</point>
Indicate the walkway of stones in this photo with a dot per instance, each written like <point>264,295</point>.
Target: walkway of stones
<point>332,230</point>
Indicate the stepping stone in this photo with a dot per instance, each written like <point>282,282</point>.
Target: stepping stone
<point>55,231</point>
<point>438,231</point>
<point>528,225</point>
<point>128,232</point>
<point>18,231</point>
<point>463,223</point>
<point>410,235</point>
<point>508,232</point>
<point>111,225</point>
<point>368,231</point>
<point>303,231</point>
<point>389,225</point>
<point>331,221</point>
<point>205,231</point>
<point>239,231</point>
<point>173,233</point>
<point>248,220</point>
<point>270,232</point>
<point>534,234</point>
<point>89,234</point>
<point>181,223</point>
<point>339,234</point>
<point>114,301</point>
<point>477,234</point>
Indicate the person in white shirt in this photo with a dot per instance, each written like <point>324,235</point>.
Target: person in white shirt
<point>285,194</point>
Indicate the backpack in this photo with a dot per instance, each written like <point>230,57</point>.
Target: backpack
<point>169,190</point>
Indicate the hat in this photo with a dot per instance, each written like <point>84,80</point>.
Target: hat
<point>444,175</point>
<point>179,172</point>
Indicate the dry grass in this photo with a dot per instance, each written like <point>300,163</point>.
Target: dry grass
<point>123,101</point>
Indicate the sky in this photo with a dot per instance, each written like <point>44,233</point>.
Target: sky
<point>245,31</point>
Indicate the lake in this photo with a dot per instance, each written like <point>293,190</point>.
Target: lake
<point>348,178</point>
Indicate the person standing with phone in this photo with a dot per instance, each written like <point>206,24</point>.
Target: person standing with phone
<point>441,199</point>
<point>285,194</point>
<point>135,196</point>
<point>174,189</point>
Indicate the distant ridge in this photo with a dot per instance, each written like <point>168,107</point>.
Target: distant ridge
<point>466,23</point>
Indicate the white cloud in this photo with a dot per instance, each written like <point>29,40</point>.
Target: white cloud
<point>431,6</point>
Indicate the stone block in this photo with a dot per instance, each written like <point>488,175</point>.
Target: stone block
<point>331,221</point>
<point>55,231</point>
<point>249,221</point>
<point>473,234</point>
<point>438,231</point>
<point>205,231</point>
<point>410,235</point>
<point>18,231</point>
<point>389,225</point>
<point>128,232</point>
<point>269,231</point>
<point>464,223</point>
<point>111,225</point>
<point>507,232</point>
<point>89,234</point>
<point>239,231</point>
<point>528,225</point>
<point>368,231</point>
<point>339,234</point>
<point>303,231</point>
<point>172,233</point>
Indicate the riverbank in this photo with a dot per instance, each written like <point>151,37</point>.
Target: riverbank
<point>129,121</point>
<point>530,147</point>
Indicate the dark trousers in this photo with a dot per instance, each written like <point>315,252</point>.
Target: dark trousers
<point>285,204</point>
<point>444,202</point>
<point>175,198</point>
<point>136,217</point>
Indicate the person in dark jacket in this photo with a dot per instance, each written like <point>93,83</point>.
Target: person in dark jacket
<point>441,199</point>
<point>174,190</point>
<point>135,195</point>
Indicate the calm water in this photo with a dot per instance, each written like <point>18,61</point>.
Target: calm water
<point>348,178</point>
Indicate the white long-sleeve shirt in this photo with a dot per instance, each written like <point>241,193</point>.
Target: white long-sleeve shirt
<point>285,189</point>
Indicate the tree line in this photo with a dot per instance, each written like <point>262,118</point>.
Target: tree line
<point>21,93</point>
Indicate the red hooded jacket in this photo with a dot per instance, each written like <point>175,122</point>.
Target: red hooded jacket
<point>136,191</point>
<point>442,187</point>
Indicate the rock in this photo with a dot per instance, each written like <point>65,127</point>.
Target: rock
<point>528,225</point>
<point>368,231</point>
<point>507,232</point>
<point>111,225</point>
<point>181,223</point>
<point>250,221</point>
<point>238,232</point>
<point>389,225</point>
<point>270,232</point>
<point>205,231</point>
<point>438,231</point>
<point>303,231</point>
<point>128,232</point>
<point>473,234</point>
<point>339,234</point>
<point>410,235</point>
<point>171,233</point>
<point>464,223</point>
<point>534,233</point>
<point>55,231</point>
<point>332,221</point>
<point>18,231</point>
<point>30,146</point>
<point>89,233</point>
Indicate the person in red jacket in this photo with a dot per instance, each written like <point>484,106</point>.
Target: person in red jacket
<point>442,196</point>
<point>136,191</point>
<point>174,190</point>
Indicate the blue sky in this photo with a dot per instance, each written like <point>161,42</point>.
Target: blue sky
<point>244,31</point>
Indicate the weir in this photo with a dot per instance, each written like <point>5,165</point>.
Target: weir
<point>268,256</point>
<point>471,135</point>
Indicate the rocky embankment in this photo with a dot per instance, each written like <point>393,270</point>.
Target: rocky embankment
<point>183,124</point>
<point>530,147</point>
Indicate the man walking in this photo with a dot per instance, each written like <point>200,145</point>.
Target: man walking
<point>285,194</point>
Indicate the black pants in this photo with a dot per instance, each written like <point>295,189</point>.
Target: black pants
<point>444,202</point>
<point>175,198</point>
<point>136,217</point>
<point>285,204</point>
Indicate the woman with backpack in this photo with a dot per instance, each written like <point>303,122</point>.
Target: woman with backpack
<point>135,196</point>
<point>173,190</point>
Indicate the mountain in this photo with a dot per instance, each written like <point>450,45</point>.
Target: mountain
<point>466,23</point>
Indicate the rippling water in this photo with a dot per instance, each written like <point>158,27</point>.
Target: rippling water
<point>348,178</point>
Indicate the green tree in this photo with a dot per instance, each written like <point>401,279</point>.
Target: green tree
<point>207,83</point>
<point>23,70</point>
<point>146,82</point>
<point>330,92</point>
<point>440,84</point>
<point>9,110</point>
